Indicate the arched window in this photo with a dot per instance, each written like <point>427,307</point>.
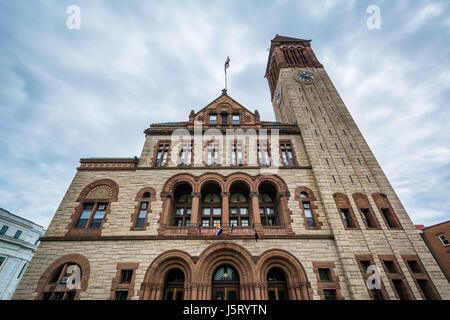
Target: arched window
<point>56,288</point>
<point>174,285</point>
<point>140,217</point>
<point>211,205</point>
<point>239,205</point>
<point>225,283</point>
<point>276,285</point>
<point>307,199</point>
<point>95,202</point>
<point>182,207</point>
<point>268,205</point>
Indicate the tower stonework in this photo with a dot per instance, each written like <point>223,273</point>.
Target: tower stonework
<point>312,228</point>
<point>342,163</point>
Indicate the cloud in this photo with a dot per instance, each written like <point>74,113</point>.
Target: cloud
<point>67,94</point>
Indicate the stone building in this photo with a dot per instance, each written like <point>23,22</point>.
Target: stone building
<point>19,239</point>
<point>303,206</point>
<point>437,238</point>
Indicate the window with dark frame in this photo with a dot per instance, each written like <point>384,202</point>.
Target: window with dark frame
<point>4,229</point>
<point>388,217</point>
<point>121,295</point>
<point>162,154</point>
<point>324,274</point>
<point>212,119</point>
<point>239,206</point>
<point>183,209</point>
<point>126,276</point>
<point>17,234</point>
<point>237,155</point>
<point>329,294</point>
<point>224,117</point>
<point>186,155</point>
<point>142,215</point>
<point>345,213</point>
<point>414,266</point>
<point>91,216</point>
<point>287,154</point>
<point>211,208</point>
<point>236,119</point>
<point>268,209</point>
<point>444,240</point>
<point>263,154</point>
<point>212,155</point>
<point>390,266</point>
<point>56,288</point>
<point>367,218</point>
<point>399,289</point>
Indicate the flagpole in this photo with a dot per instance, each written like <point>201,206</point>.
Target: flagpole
<point>225,78</point>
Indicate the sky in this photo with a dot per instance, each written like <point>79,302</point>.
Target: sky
<point>67,94</point>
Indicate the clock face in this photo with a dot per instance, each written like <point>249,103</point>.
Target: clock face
<point>278,95</point>
<point>305,76</point>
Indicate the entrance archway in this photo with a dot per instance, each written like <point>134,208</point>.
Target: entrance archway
<point>225,283</point>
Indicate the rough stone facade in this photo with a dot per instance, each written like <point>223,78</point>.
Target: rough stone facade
<point>319,256</point>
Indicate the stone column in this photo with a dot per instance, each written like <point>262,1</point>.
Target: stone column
<point>285,211</point>
<point>256,217</point>
<point>195,214</point>
<point>225,212</point>
<point>167,199</point>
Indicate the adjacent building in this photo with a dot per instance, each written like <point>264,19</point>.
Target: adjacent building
<point>437,238</point>
<point>224,205</point>
<point>19,239</point>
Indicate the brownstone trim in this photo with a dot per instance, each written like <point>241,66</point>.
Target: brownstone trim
<point>297,282</point>
<point>139,199</point>
<point>365,275</point>
<point>152,287</point>
<point>117,285</point>
<point>382,202</point>
<point>322,285</point>
<point>398,275</point>
<point>84,198</point>
<point>362,202</point>
<point>342,203</point>
<point>310,198</point>
<point>155,153</point>
<point>44,280</point>
<point>422,275</point>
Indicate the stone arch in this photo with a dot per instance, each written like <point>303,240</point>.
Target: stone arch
<point>219,254</point>
<point>173,181</point>
<point>153,285</point>
<point>210,177</point>
<point>141,192</point>
<point>279,183</point>
<point>241,177</point>
<point>106,189</point>
<point>75,258</point>
<point>297,281</point>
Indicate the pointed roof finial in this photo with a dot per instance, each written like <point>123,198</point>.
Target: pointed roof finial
<point>224,92</point>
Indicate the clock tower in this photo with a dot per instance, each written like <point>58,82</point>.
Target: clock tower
<point>365,216</point>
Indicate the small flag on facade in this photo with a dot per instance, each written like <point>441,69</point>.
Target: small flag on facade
<point>218,230</point>
<point>254,232</point>
<point>199,227</point>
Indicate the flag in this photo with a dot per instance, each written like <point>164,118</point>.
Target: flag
<point>254,232</point>
<point>199,227</point>
<point>227,63</point>
<point>218,230</point>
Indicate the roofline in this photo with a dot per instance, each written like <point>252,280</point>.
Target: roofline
<point>15,215</point>
<point>437,224</point>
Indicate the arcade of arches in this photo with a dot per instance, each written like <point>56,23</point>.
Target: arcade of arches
<point>226,271</point>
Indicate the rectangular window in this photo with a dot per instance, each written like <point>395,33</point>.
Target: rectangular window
<point>236,119</point>
<point>205,222</point>
<point>186,155</point>
<point>366,215</point>
<point>142,215</point>
<point>4,229</point>
<point>329,294</point>
<point>425,288</point>
<point>224,119</point>
<point>216,222</point>
<point>126,276</point>
<point>308,214</point>
<point>161,155</point>
<point>244,222</point>
<point>414,266</point>
<point>399,289</point>
<point>233,222</point>
<point>217,211</point>
<point>121,295</point>
<point>347,219</point>
<point>213,155</point>
<point>263,155</point>
<point>387,216</point>
<point>85,214</point>
<point>444,240</point>
<point>390,266</point>
<point>236,155</point>
<point>287,155</point>
<point>17,235</point>
<point>2,259</point>
<point>98,216</point>
<point>324,274</point>
<point>21,271</point>
<point>365,264</point>
<point>212,119</point>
